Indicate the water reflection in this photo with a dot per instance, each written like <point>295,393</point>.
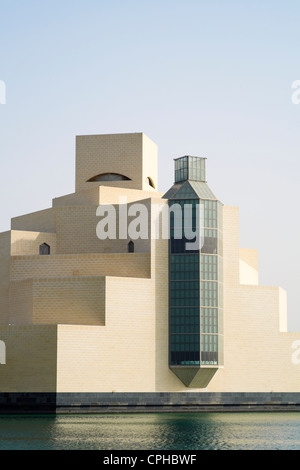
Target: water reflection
<point>152,431</point>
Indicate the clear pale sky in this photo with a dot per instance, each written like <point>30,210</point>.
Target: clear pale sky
<point>207,78</point>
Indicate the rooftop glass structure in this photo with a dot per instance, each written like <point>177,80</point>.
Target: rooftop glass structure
<point>190,168</point>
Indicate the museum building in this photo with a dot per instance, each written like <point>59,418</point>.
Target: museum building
<point>127,317</point>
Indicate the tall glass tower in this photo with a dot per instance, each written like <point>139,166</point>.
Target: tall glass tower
<point>195,275</point>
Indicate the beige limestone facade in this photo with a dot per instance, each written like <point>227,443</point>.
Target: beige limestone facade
<point>91,316</point>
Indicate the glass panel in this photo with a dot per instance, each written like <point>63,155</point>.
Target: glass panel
<point>209,320</point>
<point>209,242</point>
<point>181,169</point>
<point>189,167</point>
<point>197,169</point>
<point>209,267</point>
<point>209,349</point>
<point>183,221</point>
<point>208,294</point>
<point>210,214</point>
<point>186,191</point>
<point>185,349</point>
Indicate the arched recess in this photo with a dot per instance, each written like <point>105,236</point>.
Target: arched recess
<point>108,177</point>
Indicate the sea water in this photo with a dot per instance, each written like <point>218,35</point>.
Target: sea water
<point>170,431</point>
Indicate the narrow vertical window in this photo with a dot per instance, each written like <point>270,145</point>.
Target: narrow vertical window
<point>131,247</point>
<point>44,249</point>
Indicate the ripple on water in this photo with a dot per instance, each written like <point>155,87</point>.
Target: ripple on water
<point>195,431</point>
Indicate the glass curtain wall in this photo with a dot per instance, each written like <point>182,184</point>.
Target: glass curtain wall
<point>196,284</point>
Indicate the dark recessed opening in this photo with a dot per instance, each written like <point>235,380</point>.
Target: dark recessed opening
<point>108,177</point>
<point>44,249</point>
<point>131,247</point>
<point>151,183</point>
